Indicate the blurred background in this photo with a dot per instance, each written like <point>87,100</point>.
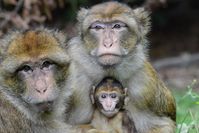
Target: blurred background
<point>174,40</point>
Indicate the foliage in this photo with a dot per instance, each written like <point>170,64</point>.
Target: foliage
<point>187,110</point>
<point>26,13</point>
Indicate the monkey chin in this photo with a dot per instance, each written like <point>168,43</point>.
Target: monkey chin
<point>44,106</point>
<point>109,60</point>
<point>110,114</point>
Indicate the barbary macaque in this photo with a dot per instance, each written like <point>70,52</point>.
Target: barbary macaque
<point>33,72</point>
<point>112,42</point>
<point>109,98</point>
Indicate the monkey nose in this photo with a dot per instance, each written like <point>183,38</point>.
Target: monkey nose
<point>43,90</point>
<point>109,105</point>
<point>108,43</point>
<point>41,86</point>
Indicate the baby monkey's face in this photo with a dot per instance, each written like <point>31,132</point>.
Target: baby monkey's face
<point>109,96</point>
<point>108,101</point>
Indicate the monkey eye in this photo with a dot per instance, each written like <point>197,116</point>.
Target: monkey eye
<point>103,96</point>
<point>46,64</point>
<point>117,26</point>
<point>113,95</point>
<point>26,68</point>
<point>97,26</point>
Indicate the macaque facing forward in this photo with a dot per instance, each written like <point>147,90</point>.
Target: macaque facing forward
<point>109,98</point>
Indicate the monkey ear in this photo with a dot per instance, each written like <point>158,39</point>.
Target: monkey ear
<point>92,95</point>
<point>143,18</point>
<point>82,14</point>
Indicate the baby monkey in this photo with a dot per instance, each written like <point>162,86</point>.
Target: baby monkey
<point>109,98</point>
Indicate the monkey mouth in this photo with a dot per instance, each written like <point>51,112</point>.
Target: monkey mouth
<point>109,54</point>
<point>110,113</point>
<point>45,106</point>
<point>109,59</point>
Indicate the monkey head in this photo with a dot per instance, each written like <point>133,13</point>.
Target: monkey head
<point>34,68</point>
<point>109,96</point>
<point>111,31</point>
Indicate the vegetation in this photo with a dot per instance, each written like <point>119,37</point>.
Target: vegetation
<point>187,110</point>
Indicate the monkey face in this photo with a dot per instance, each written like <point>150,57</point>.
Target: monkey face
<point>111,41</point>
<point>34,69</point>
<point>108,96</point>
<point>109,37</point>
<point>108,101</point>
<point>111,31</point>
<point>40,87</point>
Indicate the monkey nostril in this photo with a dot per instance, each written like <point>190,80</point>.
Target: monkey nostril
<point>108,45</point>
<point>38,90</point>
<point>44,90</point>
<point>41,90</point>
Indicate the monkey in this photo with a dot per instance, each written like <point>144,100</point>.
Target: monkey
<point>109,97</point>
<point>112,41</point>
<point>33,73</point>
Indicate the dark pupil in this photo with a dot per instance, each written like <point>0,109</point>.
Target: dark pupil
<point>46,64</point>
<point>113,95</point>
<point>26,68</point>
<point>117,26</point>
<point>98,27</point>
<point>103,96</point>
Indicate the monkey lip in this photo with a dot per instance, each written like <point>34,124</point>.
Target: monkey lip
<point>109,59</point>
<point>45,106</point>
<point>109,54</point>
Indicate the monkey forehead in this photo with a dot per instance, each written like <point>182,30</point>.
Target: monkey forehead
<point>110,89</point>
<point>110,12</point>
<point>109,9</point>
<point>32,44</point>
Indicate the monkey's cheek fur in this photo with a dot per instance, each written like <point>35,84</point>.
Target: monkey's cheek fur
<point>109,60</point>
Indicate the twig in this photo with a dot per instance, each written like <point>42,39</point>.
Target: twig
<point>15,11</point>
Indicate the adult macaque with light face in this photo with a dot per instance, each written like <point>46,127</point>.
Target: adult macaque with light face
<point>109,97</point>
<point>33,73</point>
<point>112,42</point>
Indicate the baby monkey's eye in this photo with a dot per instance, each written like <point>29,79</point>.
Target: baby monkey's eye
<point>103,96</point>
<point>113,95</point>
